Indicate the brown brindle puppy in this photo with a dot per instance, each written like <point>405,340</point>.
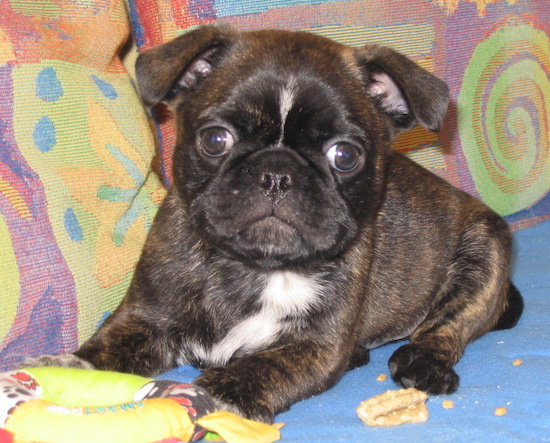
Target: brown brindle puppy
<point>294,239</point>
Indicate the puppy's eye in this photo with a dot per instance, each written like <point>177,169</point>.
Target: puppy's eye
<point>344,157</point>
<point>215,142</point>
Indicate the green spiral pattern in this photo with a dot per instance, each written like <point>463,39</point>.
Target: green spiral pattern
<point>504,112</point>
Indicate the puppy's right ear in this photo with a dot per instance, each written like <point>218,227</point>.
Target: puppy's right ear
<point>402,90</point>
<point>180,64</point>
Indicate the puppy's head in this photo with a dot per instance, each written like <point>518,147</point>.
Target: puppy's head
<point>282,136</point>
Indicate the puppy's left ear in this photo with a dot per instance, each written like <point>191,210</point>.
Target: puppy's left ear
<point>405,92</point>
<point>179,65</point>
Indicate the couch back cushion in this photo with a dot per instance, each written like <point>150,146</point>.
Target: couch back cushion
<point>76,192</point>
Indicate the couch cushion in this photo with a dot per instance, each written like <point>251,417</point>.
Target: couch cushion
<point>77,195</point>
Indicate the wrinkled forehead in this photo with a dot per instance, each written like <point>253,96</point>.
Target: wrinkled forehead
<point>285,101</point>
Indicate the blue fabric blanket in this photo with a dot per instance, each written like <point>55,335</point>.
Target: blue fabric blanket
<point>489,379</point>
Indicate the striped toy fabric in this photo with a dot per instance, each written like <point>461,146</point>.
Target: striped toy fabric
<point>76,191</point>
<point>494,54</point>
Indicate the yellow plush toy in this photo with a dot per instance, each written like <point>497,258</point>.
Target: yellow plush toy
<point>61,405</point>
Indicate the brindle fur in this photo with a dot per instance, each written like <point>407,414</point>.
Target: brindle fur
<point>420,259</point>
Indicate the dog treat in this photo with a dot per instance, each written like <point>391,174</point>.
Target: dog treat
<point>501,411</point>
<point>448,404</point>
<point>517,362</point>
<point>381,377</point>
<point>394,408</point>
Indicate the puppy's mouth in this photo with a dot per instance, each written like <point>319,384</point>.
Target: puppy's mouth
<point>269,242</point>
<point>270,230</point>
<point>300,217</point>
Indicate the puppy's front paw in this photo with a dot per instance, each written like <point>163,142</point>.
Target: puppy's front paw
<point>62,360</point>
<point>416,367</point>
<point>233,393</point>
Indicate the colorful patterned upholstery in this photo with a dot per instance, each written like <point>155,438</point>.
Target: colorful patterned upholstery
<point>77,190</point>
<point>77,195</point>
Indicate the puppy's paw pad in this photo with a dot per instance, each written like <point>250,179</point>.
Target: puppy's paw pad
<point>61,360</point>
<point>417,367</point>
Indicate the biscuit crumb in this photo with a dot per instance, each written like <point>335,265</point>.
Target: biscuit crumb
<point>382,377</point>
<point>394,408</point>
<point>448,404</point>
<point>517,362</point>
<point>501,411</point>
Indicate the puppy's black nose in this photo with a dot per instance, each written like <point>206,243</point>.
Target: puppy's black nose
<point>275,183</point>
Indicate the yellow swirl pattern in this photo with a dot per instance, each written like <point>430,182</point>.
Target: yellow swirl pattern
<point>504,111</point>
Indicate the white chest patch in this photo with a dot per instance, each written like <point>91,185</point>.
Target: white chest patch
<point>285,294</point>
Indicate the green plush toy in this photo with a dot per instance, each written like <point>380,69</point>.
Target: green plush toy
<point>58,405</point>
